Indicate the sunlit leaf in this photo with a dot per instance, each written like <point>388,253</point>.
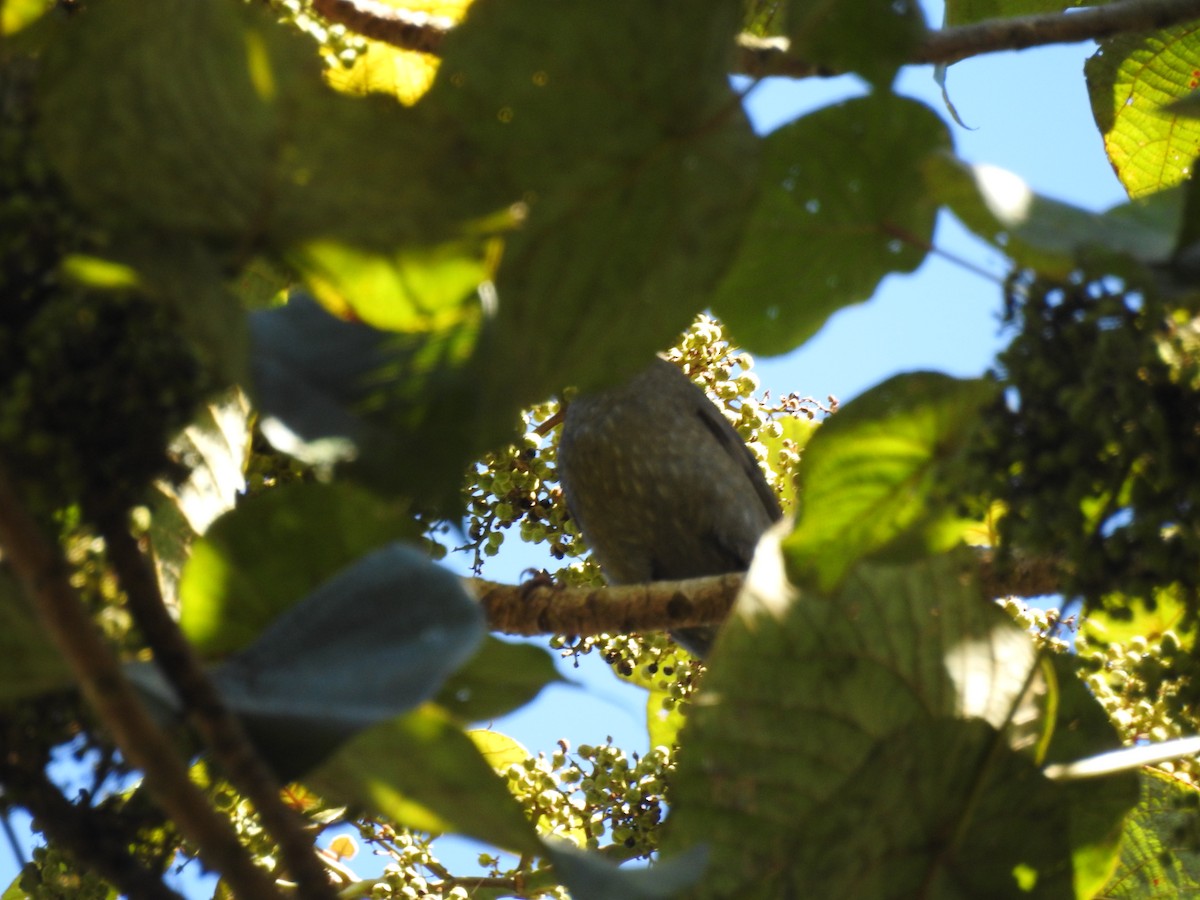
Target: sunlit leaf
<point>264,557</point>
<point>1131,79</point>
<point>421,771</point>
<point>871,475</point>
<point>1158,858</point>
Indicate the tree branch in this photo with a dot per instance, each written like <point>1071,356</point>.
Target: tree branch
<point>765,57</point>
<point>762,58</point>
<point>43,572</point>
<point>207,713</point>
<point>1022,32</point>
<point>621,609</point>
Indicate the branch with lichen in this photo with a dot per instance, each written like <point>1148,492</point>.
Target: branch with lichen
<point>534,608</point>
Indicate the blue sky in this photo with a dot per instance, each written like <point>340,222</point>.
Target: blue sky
<point>1028,113</point>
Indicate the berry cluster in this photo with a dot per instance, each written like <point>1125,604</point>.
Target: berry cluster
<point>1094,446</point>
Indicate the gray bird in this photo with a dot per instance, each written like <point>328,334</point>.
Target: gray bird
<point>661,486</point>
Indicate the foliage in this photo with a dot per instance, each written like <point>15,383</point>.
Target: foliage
<point>281,305</point>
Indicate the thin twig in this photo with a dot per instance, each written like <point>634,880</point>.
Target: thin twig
<point>208,715</point>
<point>1022,32</point>
<point>43,572</point>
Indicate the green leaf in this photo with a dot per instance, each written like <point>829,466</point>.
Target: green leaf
<point>871,38</point>
<point>1131,79</point>
<point>1158,854</point>
<point>664,720</point>
<point>421,771</point>
<point>237,135</point>
<point>1045,234</point>
<point>1138,617</point>
<point>261,559</point>
<point>870,742</point>
<point>415,289</point>
<point>873,474</point>
<point>30,664</point>
<point>842,205</point>
<point>377,639</point>
<point>498,679</point>
<point>629,220</point>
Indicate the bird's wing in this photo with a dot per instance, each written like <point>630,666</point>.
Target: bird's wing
<point>714,420</point>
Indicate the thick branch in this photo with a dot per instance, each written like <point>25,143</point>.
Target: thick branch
<point>763,58</point>
<point>661,605</point>
<point>208,715</point>
<point>529,610</point>
<point>44,575</point>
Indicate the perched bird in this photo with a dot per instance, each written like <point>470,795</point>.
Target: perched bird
<point>661,486</point>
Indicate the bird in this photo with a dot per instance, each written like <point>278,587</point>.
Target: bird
<point>661,486</point>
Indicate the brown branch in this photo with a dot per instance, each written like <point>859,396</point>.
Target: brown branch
<point>529,610</point>
<point>209,716</point>
<point>1021,32</point>
<point>765,57</point>
<point>621,609</point>
<point>43,572</point>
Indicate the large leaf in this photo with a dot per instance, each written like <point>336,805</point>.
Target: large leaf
<point>842,205</point>
<point>376,640</point>
<point>880,742</point>
<point>873,474</point>
<point>421,771</point>
<point>238,137</point>
<point>634,170</point>
<point>264,557</point>
<point>1130,81</point>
